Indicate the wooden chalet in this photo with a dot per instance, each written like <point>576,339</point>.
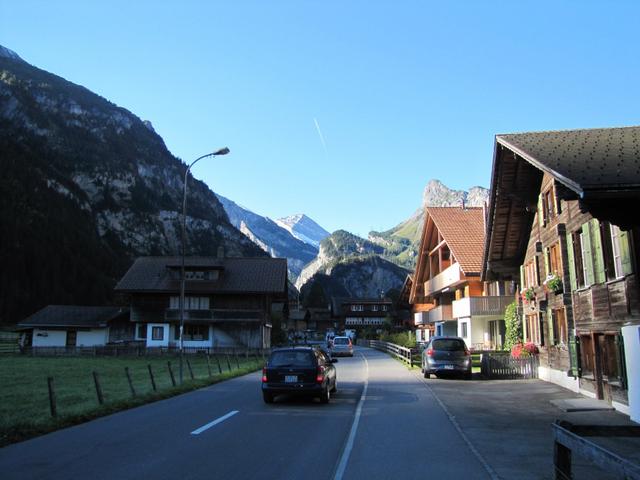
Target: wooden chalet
<point>563,223</point>
<point>228,301</point>
<point>447,294</point>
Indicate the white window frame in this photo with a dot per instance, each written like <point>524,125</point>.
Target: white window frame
<point>616,250</point>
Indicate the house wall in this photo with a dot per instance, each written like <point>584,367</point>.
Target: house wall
<point>93,337</point>
<point>49,338</point>
<point>165,338</point>
<point>599,307</point>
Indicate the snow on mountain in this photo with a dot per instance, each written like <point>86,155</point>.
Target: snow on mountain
<point>304,229</point>
<point>270,236</point>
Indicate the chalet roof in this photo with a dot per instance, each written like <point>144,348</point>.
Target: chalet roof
<point>587,161</point>
<point>74,316</point>
<point>463,231</point>
<point>599,167</point>
<point>238,275</point>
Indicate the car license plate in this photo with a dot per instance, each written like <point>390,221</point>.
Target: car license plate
<point>290,378</point>
<point>448,367</point>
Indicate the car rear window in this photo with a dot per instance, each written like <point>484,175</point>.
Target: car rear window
<point>341,341</point>
<point>448,344</point>
<point>292,358</point>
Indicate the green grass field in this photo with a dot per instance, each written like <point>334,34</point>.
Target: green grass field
<point>24,397</point>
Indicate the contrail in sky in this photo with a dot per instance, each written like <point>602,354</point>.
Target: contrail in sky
<point>324,145</point>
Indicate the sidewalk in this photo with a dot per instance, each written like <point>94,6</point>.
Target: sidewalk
<point>509,423</point>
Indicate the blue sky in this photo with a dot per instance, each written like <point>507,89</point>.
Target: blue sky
<point>402,91</point>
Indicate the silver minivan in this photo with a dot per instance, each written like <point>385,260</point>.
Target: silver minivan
<point>446,355</point>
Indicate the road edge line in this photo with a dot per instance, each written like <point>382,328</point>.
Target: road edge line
<point>490,471</point>
<point>346,452</point>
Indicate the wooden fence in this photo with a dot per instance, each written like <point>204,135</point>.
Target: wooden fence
<point>141,351</point>
<point>504,366</point>
<point>569,438</point>
<point>9,342</point>
<point>402,353</point>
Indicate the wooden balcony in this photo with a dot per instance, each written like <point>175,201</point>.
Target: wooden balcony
<point>449,277</point>
<point>443,313</point>
<point>172,314</point>
<point>470,306</point>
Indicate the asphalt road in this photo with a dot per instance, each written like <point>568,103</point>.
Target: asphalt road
<point>397,430</point>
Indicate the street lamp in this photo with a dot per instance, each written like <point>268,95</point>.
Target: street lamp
<point>222,151</point>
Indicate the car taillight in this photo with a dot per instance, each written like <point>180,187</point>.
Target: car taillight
<point>264,375</point>
<point>320,374</point>
<point>430,352</point>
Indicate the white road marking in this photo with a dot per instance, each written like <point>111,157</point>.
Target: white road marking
<point>342,466</point>
<point>215,422</point>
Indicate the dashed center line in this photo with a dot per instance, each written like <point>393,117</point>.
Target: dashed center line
<point>214,423</point>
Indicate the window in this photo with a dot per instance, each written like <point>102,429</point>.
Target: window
<point>611,371</point>
<point>550,205</point>
<point>533,329</point>
<point>530,274</point>
<point>587,357</point>
<point>385,308</point>
<point>374,308</point>
<point>617,246</point>
<point>554,260</point>
<point>579,257</point>
<point>193,332</point>
<point>357,308</point>
<point>464,329</point>
<point>190,303</point>
<point>559,320</point>
<point>142,331</point>
<point>157,333</point>
<point>201,275</point>
<point>614,244</point>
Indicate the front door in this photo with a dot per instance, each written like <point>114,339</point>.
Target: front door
<point>71,338</point>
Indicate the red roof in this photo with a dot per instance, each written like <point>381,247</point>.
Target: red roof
<point>463,231</point>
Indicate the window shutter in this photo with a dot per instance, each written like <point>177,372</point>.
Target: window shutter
<point>540,211</point>
<point>546,261</point>
<point>572,265</point>
<point>574,355</point>
<point>551,324</point>
<point>587,258</point>
<point>522,284</point>
<point>625,257</point>
<point>596,250</point>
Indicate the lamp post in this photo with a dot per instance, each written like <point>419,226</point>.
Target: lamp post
<point>222,151</point>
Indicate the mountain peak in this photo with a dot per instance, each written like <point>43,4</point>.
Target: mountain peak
<point>7,53</point>
<point>303,228</point>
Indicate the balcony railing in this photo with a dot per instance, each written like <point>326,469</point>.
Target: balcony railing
<point>469,306</point>
<point>443,313</point>
<point>173,314</point>
<point>447,278</point>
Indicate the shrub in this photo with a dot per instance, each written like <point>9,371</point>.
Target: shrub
<point>513,326</point>
<point>521,350</point>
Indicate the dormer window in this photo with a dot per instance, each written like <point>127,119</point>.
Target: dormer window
<point>201,275</point>
<point>357,308</point>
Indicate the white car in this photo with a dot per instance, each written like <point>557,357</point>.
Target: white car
<point>342,346</point>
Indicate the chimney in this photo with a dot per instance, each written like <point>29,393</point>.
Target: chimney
<point>220,252</point>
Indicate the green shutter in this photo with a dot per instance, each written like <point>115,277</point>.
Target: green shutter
<point>574,355</point>
<point>540,211</point>
<point>521,277</point>
<point>551,324</point>
<point>596,251</point>
<point>546,262</point>
<point>625,257</point>
<point>587,259</point>
<point>572,265</point>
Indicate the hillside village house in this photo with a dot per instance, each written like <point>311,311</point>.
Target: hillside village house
<point>228,301</point>
<point>446,292</point>
<point>76,326</point>
<point>563,222</point>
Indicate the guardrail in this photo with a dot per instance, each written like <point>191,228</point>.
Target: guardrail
<point>568,438</point>
<point>402,353</point>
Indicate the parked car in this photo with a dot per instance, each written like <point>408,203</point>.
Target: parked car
<point>303,371</point>
<point>444,355</point>
<point>342,346</point>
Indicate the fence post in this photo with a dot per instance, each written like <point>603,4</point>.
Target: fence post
<point>189,367</point>
<point>98,388</point>
<point>173,378</point>
<point>561,461</point>
<point>237,359</point>
<point>209,364</point>
<point>52,397</point>
<point>133,391</point>
<point>218,362</point>
<point>153,380</point>
<point>228,361</point>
